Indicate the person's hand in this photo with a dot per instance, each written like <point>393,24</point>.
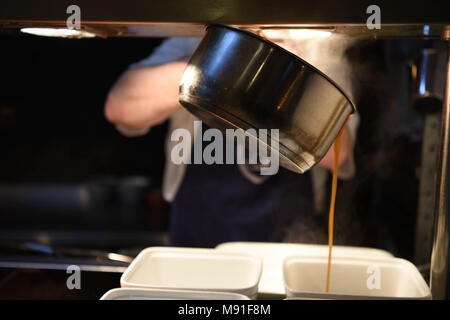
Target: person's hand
<point>131,131</point>
<point>344,151</point>
<point>144,97</point>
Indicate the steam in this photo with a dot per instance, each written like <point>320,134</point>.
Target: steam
<point>325,51</point>
<point>328,55</point>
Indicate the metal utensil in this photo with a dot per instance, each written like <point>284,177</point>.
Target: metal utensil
<point>236,79</point>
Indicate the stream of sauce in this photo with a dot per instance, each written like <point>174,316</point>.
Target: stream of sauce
<point>337,147</point>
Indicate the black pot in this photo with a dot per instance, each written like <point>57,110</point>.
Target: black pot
<point>236,79</point>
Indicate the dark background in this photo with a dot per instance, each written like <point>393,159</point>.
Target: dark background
<point>51,102</point>
<point>53,131</point>
<point>57,149</point>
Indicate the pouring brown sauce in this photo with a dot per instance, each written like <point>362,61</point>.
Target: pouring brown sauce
<point>337,147</point>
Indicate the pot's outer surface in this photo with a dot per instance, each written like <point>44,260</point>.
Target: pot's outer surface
<point>236,79</point>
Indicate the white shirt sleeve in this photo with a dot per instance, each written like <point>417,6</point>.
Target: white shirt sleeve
<point>171,49</point>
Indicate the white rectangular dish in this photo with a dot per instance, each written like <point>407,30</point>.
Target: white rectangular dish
<point>274,254</point>
<point>353,278</point>
<point>194,269</point>
<point>153,294</point>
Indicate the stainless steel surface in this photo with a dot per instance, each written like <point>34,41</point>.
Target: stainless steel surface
<point>427,189</point>
<point>427,95</point>
<point>59,266</point>
<point>105,29</point>
<point>400,18</point>
<point>236,79</point>
<point>439,278</point>
<point>100,239</point>
<point>45,250</point>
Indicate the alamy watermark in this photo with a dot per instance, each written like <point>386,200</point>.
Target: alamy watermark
<point>74,20</point>
<point>374,20</point>
<point>74,280</point>
<point>262,146</point>
<point>374,280</point>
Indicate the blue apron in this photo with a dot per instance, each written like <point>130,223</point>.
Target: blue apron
<point>216,203</point>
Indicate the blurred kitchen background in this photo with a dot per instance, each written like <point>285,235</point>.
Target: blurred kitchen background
<point>74,191</point>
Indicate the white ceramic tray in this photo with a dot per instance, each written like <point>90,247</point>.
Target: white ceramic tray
<point>153,294</point>
<point>273,255</point>
<point>194,269</point>
<point>353,278</point>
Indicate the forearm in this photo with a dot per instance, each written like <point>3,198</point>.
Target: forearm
<point>144,97</point>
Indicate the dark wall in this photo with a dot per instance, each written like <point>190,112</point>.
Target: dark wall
<point>52,127</point>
